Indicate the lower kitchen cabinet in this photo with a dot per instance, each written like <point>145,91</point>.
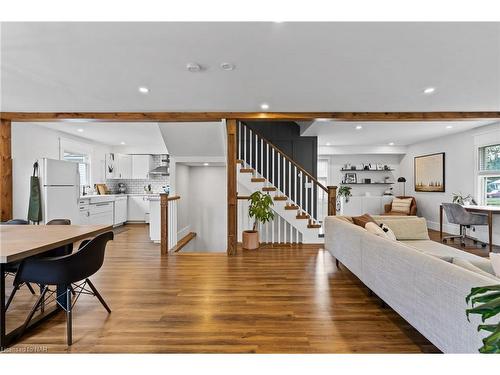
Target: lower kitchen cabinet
<point>120,210</point>
<point>138,208</point>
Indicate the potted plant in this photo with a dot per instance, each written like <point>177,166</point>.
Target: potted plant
<point>487,299</point>
<point>260,210</point>
<point>461,199</point>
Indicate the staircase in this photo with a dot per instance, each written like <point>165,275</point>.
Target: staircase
<point>300,200</point>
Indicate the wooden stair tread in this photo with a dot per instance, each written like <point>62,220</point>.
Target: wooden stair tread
<point>303,216</point>
<point>239,161</point>
<point>292,207</point>
<point>258,179</point>
<point>269,188</point>
<point>281,198</point>
<point>314,225</point>
<point>247,170</point>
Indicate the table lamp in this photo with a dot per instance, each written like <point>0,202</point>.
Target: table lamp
<point>403,181</point>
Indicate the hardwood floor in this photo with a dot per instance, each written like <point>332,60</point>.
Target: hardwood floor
<point>274,300</point>
<point>470,247</point>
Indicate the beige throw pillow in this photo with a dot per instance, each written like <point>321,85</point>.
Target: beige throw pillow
<point>379,231</point>
<point>495,263</point>
<point>407,228</point>
<point>401,205</point>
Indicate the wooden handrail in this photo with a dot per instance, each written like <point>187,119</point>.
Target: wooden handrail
<point>164,199</point>
<point>290,160</point>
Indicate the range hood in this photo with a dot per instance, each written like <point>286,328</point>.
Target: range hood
<point>164,168</point>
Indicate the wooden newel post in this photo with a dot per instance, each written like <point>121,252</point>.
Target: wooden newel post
<point>332,200</point>
<point>164,223</point>
<point>5,171</point>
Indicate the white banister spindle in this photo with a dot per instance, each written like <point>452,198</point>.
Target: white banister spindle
<point>250,144</point>
<point>267,161</point>
<point>261,157</point>
<point>245,144</point>
<point>279,173</point>
<point>289,180</point>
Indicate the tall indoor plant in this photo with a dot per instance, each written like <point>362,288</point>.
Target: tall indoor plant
<point>260,210</point>
<point>487,299</point>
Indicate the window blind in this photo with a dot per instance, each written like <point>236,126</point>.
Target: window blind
<point>489,159</point>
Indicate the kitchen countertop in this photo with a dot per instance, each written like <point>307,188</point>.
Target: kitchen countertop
<point>88,196</point>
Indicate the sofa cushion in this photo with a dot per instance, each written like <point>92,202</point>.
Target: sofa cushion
<point>440,250</point>
<point>383,232</point>
<point>495,263</point>
<point>401,205</point>
<point>468,265</point>
<point>347,219</point>
<point>406,228</point>
<point>362,220</point>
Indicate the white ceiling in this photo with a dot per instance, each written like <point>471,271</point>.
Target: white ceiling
<point>338,133</point>
<point>138,135</point>
<point>291,66</point>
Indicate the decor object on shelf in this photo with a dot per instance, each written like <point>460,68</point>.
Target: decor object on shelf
<point>462,200</point>
<point>413,207</point>
<point>388,191</point>
<point>487,301</point>
<point>403,182</point>
<point>344,191</point>
<point>350,178</point>
<point>367,181</point>
<point>259,209</point>
<point>429,172</point>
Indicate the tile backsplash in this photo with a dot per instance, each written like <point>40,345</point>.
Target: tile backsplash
<point>137,186</point>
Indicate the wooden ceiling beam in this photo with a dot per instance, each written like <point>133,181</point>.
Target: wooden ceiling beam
<point>268,116</point>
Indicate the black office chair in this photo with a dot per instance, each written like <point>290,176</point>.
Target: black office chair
<point>70,272</point>
<point>11,268</point>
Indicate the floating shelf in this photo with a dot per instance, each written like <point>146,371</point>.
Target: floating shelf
<point>366,170</point>
<point>371,183</point>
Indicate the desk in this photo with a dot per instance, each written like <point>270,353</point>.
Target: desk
<point>488,210</point>
<point>18,242</point>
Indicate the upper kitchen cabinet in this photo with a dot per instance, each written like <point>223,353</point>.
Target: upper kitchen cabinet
<point>141,165</point>
<point>122,166</point>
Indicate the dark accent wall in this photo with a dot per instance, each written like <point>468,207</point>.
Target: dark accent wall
<point>286,136</point>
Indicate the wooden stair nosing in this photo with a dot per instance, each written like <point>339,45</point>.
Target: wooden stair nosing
<point>258,179</point>
<point>314,225</point>
<point>302,216</point>
<point>269,188</point>
<point>280,198</point>
<point>247,170</point>
<point>292,207</point>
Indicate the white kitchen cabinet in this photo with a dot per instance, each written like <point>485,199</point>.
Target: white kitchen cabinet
<point>141,165</point>
<point>120,210</point>
<point>138,208</point>
<point>124,166</point>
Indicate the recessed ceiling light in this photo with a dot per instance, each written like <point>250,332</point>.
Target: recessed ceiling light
<point>359,127</point>
<point>122,143</point>
<point>80,130</point>
<point>429,90</point>
<point>227,66</point>
<point>322,119</point>
<point>328,143</point>
<point>205,164</point>
<point>391,143</point>
<point>264,106</point>
<point>449,127</point>
<point>193,67</point>
<point>143,90</point>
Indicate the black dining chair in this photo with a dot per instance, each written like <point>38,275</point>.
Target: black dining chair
<point>63,250</point>
<point>70,273</point>
<point>11,268</point>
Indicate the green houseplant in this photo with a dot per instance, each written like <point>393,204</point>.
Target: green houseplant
<point>260,210</point>
<point>485,301</point>
<point>344,191</point>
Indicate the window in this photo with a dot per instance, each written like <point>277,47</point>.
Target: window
<point>489,175</point>
<point>83,166</point>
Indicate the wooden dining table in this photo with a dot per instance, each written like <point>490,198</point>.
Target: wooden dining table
<point>18,242</point>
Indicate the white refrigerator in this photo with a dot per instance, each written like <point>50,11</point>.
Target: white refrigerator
<point>60,188</point>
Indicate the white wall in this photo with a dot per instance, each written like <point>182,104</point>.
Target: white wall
<point>203,205</point>
<point>31,142</point>
<point>460,159</point>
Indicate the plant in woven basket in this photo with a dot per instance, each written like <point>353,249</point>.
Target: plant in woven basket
<point>485,301</point>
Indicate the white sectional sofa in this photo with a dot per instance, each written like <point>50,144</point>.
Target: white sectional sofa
<point>417,279</point>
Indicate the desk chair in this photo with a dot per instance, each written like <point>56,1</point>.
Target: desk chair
<point>456,214</point>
